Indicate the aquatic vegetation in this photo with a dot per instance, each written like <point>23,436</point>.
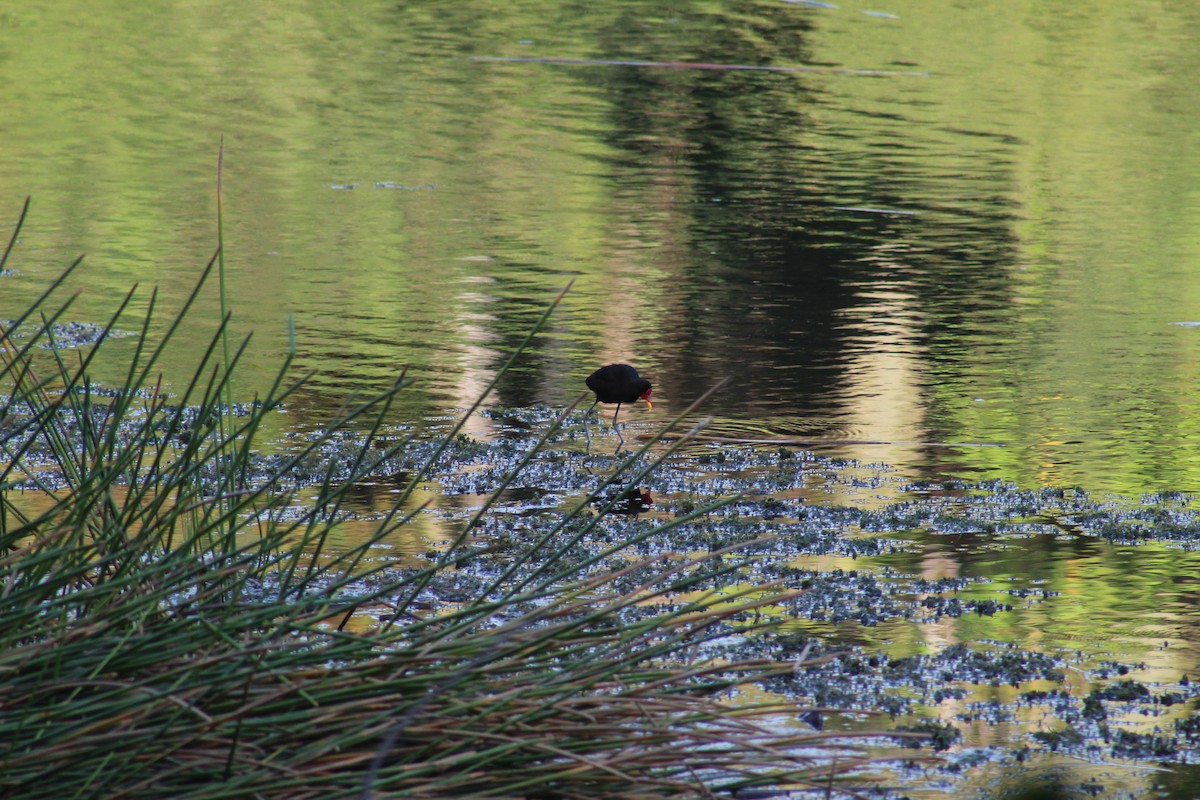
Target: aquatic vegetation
<point>177,623</point>
<point>174,584</point>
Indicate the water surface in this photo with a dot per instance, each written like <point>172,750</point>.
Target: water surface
<point>956,226</point>
<point>955,239</point>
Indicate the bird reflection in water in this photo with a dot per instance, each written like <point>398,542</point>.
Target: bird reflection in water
<point>630,501</point>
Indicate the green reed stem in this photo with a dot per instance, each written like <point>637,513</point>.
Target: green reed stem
<point>175,628</point>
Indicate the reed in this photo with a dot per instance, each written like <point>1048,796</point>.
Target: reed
<point>170,632</point>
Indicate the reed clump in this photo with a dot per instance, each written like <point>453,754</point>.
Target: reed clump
<point>174,628</point>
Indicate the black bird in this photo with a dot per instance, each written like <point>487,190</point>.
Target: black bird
<point>618,383</point>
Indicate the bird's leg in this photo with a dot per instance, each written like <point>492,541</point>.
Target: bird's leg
<point>618,411</point>
<point>586,433</point>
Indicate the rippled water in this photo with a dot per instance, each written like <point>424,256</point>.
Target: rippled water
<point>988,238</point>
<point>957,239</point>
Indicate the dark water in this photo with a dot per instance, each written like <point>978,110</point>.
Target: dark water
<point>958,240</point>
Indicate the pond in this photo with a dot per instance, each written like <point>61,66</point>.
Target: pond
<point>958,242</point>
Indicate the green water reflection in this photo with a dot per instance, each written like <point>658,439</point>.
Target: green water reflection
<point>411,205</point>
<point>991,240</point>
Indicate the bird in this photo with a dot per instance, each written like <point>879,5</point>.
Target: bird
<point>618,383</point>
